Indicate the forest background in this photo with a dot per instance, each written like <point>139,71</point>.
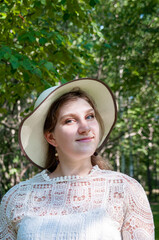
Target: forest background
<point>44,43</point>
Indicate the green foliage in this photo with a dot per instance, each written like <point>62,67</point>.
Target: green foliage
<point>125,57</point>
<point>44,43</point>
<point>37,42</point>
<point>41,45</point>
<point>155,210</point>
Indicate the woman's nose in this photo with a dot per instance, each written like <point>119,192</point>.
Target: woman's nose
<point>84,127</point>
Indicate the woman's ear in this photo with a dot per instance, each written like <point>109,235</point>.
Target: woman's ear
<point>50,138</point>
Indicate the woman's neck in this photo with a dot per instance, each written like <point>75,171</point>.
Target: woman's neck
<point>81,168</point>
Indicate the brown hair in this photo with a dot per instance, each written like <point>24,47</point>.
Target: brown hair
<point>51,121</point>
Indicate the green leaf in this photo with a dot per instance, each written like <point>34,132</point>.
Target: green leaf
<point>3,110</point>
<point>37,72</point>
<point>63,80</point>
<point>42,41</point>
<point>49,66</point>
<point>46,84</point>
<point>7,56</point>
<point>92,3</point>
<point>13,171</point>
<point>14,62</point>
<point>88,46</point>
<point>63,2</point>
<point>26,76</point>
<point>26,63</point>
<point>107,45</point>
<point>3,15</point>
<point>43,2</point>
<point>28,36</point>
<point>66,16</point>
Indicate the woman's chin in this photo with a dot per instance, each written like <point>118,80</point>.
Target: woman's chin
<point>85,153</point>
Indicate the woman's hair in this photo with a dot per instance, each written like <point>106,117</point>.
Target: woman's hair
<point>51,120</point>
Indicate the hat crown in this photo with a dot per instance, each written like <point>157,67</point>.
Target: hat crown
<point>44,95</point>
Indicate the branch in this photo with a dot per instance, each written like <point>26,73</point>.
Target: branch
<point>117,138</point>
<point>25,169</point>
<point>6,154</point>
<point>9,126</point>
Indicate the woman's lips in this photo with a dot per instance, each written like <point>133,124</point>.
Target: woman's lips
<point>86,139</point>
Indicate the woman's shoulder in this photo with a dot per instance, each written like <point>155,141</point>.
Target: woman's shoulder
<point>114,175</point>
<point>133,191</point>
<point>22,189</point>
<point>118,178</point>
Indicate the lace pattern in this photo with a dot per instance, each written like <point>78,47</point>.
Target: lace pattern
<point>103,205</point>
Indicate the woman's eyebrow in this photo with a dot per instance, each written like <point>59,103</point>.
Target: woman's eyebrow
<point>74,114</point>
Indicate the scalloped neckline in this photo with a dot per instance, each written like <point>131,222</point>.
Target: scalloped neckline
<point>45,174</point>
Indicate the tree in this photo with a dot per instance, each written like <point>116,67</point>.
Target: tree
<point>47,42</point>
<point>128,61</point>
<point>41,45</point>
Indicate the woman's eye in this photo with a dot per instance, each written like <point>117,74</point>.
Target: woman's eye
<point>67,121</point>
<point>90,116</point>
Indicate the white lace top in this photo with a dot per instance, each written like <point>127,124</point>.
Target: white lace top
<point>104,205</point>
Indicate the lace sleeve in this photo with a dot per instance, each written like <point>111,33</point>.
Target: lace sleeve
<point>7,231</point>
<point>138,222</point>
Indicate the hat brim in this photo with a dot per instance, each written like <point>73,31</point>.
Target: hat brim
<point>31,135</point>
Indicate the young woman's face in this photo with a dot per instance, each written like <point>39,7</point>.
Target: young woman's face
<point>77,131</point>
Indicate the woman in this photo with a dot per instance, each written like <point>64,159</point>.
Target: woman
<point>75,196</point>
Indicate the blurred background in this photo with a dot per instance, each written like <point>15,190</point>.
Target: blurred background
<point>45,43</point>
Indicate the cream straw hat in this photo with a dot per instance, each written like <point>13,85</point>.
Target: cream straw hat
<point>31,136</point>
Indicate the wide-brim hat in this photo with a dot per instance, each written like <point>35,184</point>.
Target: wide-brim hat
<point>31,135</point>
